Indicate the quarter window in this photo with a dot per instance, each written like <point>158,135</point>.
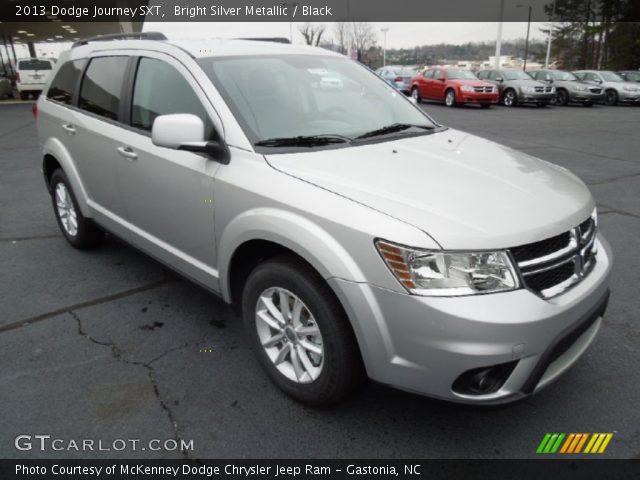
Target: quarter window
<point>102,86</point>
<point>161,90</point>
<point>65,81</point>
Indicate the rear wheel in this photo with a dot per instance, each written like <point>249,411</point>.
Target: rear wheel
<point>450,98</point>
<point>415,94</point>
<point>300,332</point>
<point>610,97</point>
<point>510,98</point>
<point>79,231</point>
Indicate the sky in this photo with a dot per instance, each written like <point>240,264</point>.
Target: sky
<point>400,35</point>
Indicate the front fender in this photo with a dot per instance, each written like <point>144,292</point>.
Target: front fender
<point>295,232</point>
<point>55,148</point>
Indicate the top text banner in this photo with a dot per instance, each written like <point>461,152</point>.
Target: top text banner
<point>314,10</point>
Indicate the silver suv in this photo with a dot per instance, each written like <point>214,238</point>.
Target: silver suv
<point>356,236</point>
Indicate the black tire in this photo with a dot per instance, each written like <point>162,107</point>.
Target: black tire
<point>415,93</point>
<point>610,97</point>
<point>88,234</point>
<point>562,98</point>
<point>342,369</point>
<point>450,98</point>
<point>510,98</point>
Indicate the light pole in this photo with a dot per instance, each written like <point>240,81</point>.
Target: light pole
<point>499,36</point>
<point>384,46</point>
<point>526,43</point>
<point>548,57</point>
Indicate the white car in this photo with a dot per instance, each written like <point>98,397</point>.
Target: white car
<point>32,75</point>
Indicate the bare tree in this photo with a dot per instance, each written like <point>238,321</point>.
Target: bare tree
<point>343,34</point>
<point>312,33</point>
<point>363,37</point>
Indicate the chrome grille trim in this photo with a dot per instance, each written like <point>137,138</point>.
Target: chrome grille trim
<point>580,252</point>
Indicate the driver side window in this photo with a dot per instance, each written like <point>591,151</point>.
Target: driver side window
<point>160,89</point>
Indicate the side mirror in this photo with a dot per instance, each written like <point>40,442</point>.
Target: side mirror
<point>184,131</point>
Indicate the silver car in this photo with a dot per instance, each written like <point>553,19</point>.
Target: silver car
<point>616,89</point>
<point>516,86</point>
<point>398,76</point>
<point>569,88</point>
<point>6,88</point>
<point>356,236</point>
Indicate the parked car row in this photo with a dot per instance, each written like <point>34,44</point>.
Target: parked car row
<point>455,86</point>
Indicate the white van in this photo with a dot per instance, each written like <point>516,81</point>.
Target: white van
<point>32,75</point>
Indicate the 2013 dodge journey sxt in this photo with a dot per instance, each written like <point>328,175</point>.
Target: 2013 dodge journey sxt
<point>357,236</point>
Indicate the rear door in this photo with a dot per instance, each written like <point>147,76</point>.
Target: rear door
<point>95,128</point>
<point>169,193</point>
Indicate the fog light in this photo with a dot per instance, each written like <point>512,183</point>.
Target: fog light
<point>483,380</point>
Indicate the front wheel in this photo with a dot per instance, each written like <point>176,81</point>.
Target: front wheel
<point>415,94</point>
<point>300,332</point>
<point>79,231</point>
<point>610,97</point>
<point>510,99</point>
<point>562,98</point>
<point>450,98</point>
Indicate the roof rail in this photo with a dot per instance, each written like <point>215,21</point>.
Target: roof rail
<point>268,39</point>
<point>121,36</point>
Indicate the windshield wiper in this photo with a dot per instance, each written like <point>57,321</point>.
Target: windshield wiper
<point>394,127</point>
<point>302,141</point>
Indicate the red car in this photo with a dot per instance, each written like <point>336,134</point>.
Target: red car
<point>453,86</point>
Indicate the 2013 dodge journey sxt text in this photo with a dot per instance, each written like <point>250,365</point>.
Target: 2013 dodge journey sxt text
<point>356,235</point>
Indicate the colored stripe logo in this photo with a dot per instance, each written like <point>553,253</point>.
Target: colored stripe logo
<point>574,443</point>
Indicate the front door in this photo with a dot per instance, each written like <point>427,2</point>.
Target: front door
<point>169,193</point>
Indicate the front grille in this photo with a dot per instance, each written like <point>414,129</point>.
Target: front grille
<point>483,89</point>
<point>539,89</point>
<point>542,248</point>
<point>551,266</point>
<point>595,90</point>
<point>550,278</point>
<point>548,89</point>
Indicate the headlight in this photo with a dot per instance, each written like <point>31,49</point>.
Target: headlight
<point>466,88</point>
<point>580,88</point>
<point>441,273</point>
<point>629,89</point>
<point>529,89</point>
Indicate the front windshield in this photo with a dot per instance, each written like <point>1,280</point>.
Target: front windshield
<point>564,76</point>
<point>515,75</point>
<point>611,77</point>
<point>284,96</point>
<point>461,75</point>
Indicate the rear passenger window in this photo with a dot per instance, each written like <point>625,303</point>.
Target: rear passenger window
<point>65,81</point>
<point>102,86</point>
<point>161,90</point>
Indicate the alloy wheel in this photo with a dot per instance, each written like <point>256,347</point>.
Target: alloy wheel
<point>450,98</point>
<point>509,98</point>
<point>66,210</point>
<point>289,335</point>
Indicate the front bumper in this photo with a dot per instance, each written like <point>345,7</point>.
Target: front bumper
<point>524,97</point>
<point>586,97</point>
<point>471,97</point>
<point>423,344</point>
<point>628,97</point>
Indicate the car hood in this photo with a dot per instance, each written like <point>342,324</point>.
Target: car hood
<point>463,191</point>
<point>524,83</point>
<point>469,81</point>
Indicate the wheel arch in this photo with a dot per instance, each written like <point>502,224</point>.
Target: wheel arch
<point>55,155</point>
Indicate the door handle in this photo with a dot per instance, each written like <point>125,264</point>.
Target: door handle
<point>127,152</point>
<point>70,129</point>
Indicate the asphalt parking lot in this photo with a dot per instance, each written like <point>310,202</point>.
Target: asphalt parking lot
<point>108,345</point>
